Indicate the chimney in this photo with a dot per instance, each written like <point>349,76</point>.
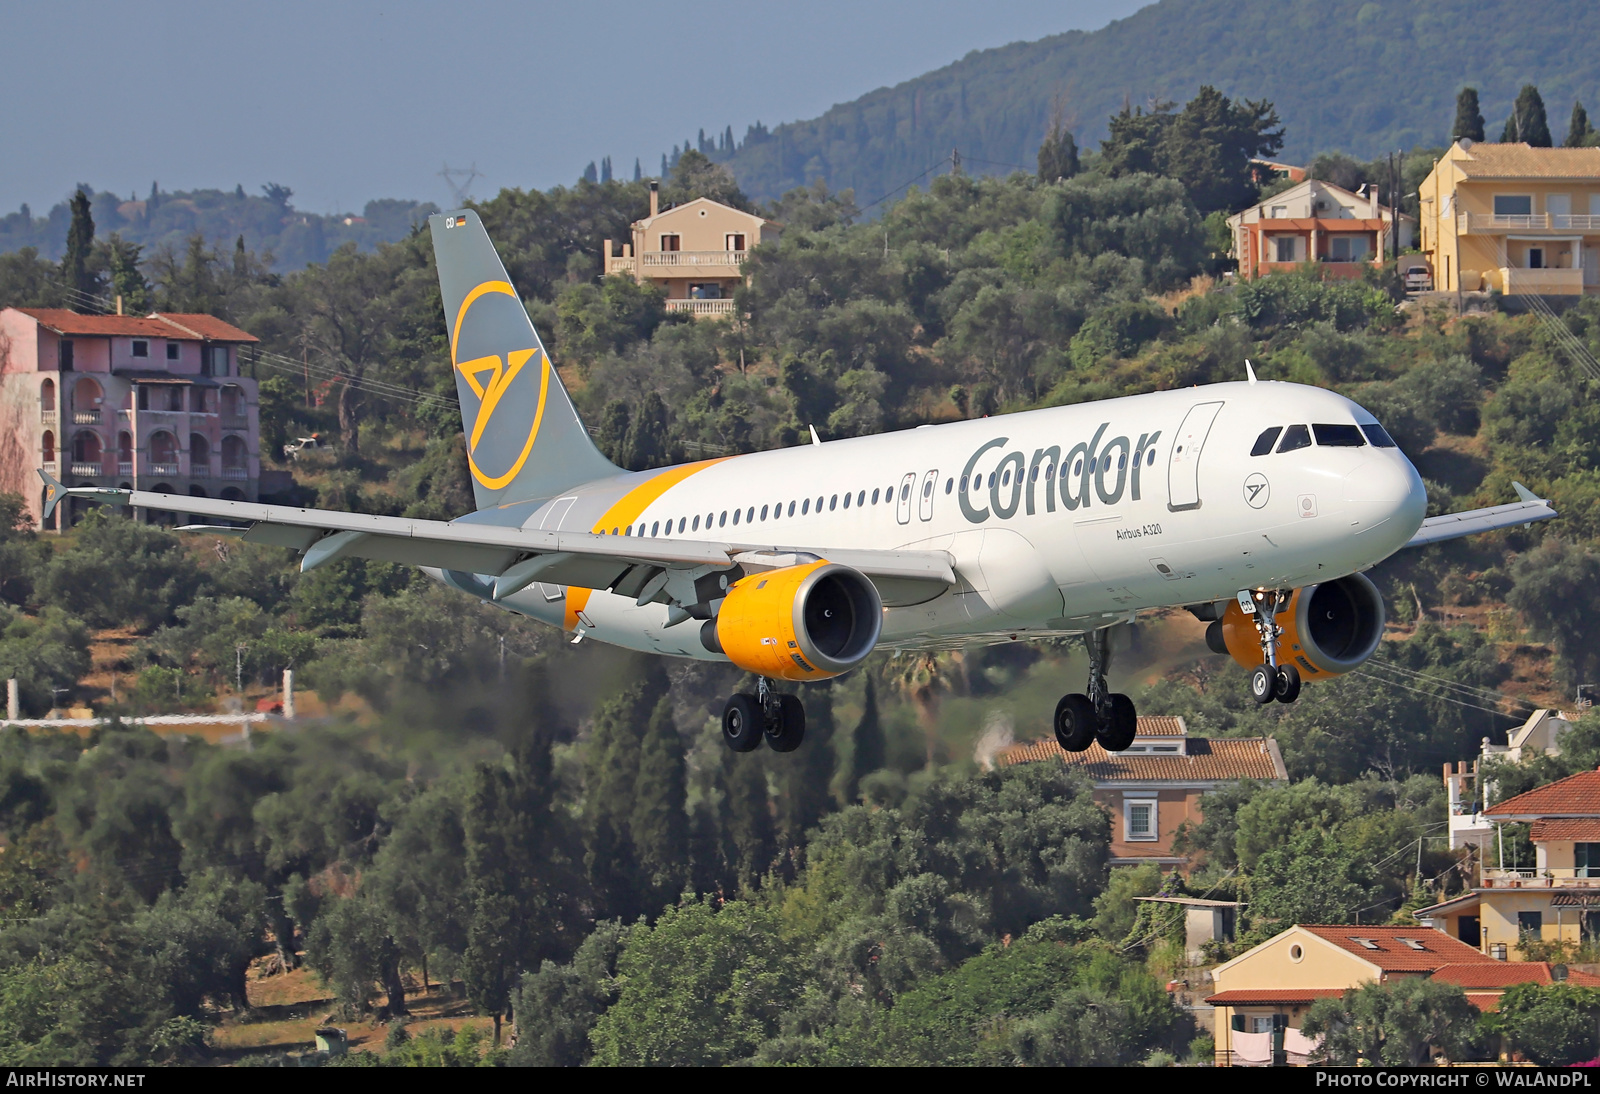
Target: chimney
<point>119,303</point>
<point>288,693</point>
<point>655,197</point>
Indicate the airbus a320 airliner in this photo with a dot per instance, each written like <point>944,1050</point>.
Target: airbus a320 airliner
<point>1256,506</point>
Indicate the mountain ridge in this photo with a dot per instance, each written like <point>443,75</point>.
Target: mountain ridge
<point>1357,76</point>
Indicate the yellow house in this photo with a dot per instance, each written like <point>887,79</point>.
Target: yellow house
<point>1515,218</point>
<point>1263,994</point>
<point>693,251</point>
<point>1554,898</point>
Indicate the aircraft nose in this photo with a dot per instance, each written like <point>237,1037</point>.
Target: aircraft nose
<point>1386,495</point>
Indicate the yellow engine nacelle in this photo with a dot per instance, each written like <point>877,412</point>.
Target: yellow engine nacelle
<point>805,622</point>
<point>1328,629</point>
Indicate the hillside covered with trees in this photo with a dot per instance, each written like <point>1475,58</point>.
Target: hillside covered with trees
<point>1385,82</point>
<point>557,833</point>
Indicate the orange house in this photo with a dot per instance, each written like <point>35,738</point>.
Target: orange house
<point>1155,784</point>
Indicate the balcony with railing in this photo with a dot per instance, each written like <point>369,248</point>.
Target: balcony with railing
<point>235,421</point>
<point>161,469</point>
<point>1557,281</point>
<point>723,263</point>
<point>236,472</point>
<point>1498,223</point>
<point>86,417</point>
<point>48,419</point>
<point>1528,878</point>
<point>124,468</point>
<point>702,307</point>
<point>199,469</point>
<point>86,470</point>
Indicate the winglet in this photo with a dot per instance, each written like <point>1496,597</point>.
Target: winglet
<point>814,438</point>
<point>1249,370</point>
<point>53,493</point>
<point>1524,493</point>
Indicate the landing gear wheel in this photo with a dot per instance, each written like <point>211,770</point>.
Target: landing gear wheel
<point>786,731</point>
<point>1075,723</point>
<point>1263,685</point>
<point>742,723</point>
<point>1286,687</point>
<point>1120,726</point>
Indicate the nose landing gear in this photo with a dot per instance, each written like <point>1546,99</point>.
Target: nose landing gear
<point>778,719</point>
<point>1271,680</point>
<point>1100,715</point>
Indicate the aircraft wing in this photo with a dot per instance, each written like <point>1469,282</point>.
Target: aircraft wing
<point>515,556</point>
<point>1527,510</point>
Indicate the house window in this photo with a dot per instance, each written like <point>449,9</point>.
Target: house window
<point>1280,212</point>
<point>1586,859</point>
<point>1513,205</point>
<point>735,241</point>
<point>1348,249</point>
<point>1141,819</point>
<point>1469,930</point>
<point>1530,923</point>
<point>219,360</point>
<point>141,348</point>
<point>1261,1023</point>
<point>1284,248</point>
<point>1535,258</point>
<point>671,242</point>
<point>172,351</point>
<point>709,291</point>
<point>66,355</point>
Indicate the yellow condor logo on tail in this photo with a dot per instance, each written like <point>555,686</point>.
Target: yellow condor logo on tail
<point>490,378</point>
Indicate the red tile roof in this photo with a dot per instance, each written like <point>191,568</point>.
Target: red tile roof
<point>1430,949</point>
<point>1574,796</point>
<point>181,327</point>
<point>1241,996</point>
<point>1162,725</point>
<point>1481,975</point>
<point>1222,759</point>
<point>1585,829</point>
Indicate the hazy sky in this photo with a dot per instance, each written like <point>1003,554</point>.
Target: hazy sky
<point>351,101</point>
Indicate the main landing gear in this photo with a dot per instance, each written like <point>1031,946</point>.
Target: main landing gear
<point>1271,680</point>
<point>780,719</point>
<point>1100,715</point>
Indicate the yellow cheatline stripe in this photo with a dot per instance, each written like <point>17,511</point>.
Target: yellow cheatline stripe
<point>577,599</point>
<point>641,497</point>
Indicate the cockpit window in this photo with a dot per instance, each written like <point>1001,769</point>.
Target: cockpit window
<point>1265,442</point>
<point>1296,436</point>
<point>1378,435</point>
<point>1338,436</point>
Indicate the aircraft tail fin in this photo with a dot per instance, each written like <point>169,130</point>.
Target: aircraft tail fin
<point>524,438</point>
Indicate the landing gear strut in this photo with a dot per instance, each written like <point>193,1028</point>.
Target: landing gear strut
<point>1271,680</point>
<point>1100,715</point>
<point>780,719</point>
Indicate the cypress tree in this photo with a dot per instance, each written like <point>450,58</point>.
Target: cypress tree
<point>75,273</point>
<point>750,844</point>
<point>1058,155</point>
<point>1578,129</point>
<point>1469,118</point>
<point>591,173</point>
<point>870,751</point>
<point>803,776</point>
<point>638,172</point>
<point>611,776</point>
<point>659,824</point>
<point>605,169</point>
<point>1528,122</point>
<point>126,280</point>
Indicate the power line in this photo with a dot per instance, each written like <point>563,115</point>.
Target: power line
<point>1468,689</point>
<point>908,182</point>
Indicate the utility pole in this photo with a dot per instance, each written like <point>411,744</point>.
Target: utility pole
<point>955,161</point>
<point>238,667</point>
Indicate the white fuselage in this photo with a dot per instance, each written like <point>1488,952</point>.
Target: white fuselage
<point>1041,544</point>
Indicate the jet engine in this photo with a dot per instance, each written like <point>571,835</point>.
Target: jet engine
<point>806,622</point>
<point>1328,629</point>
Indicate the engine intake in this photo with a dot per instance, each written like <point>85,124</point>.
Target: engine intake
<point>1328,629</point>
<point>805,622</point>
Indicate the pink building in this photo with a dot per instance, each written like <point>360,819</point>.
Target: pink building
<point>150,402</point>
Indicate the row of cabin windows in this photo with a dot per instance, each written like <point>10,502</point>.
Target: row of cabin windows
<point>751,515</point>
<point>86,448</point>
<point>1329,436</point>
<point>213,359</point>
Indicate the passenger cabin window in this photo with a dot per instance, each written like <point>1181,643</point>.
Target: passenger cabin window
<point>1296,436</point>
<point>1378,436</point>
<point>1338,436</point>
<point>1264,443</point>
